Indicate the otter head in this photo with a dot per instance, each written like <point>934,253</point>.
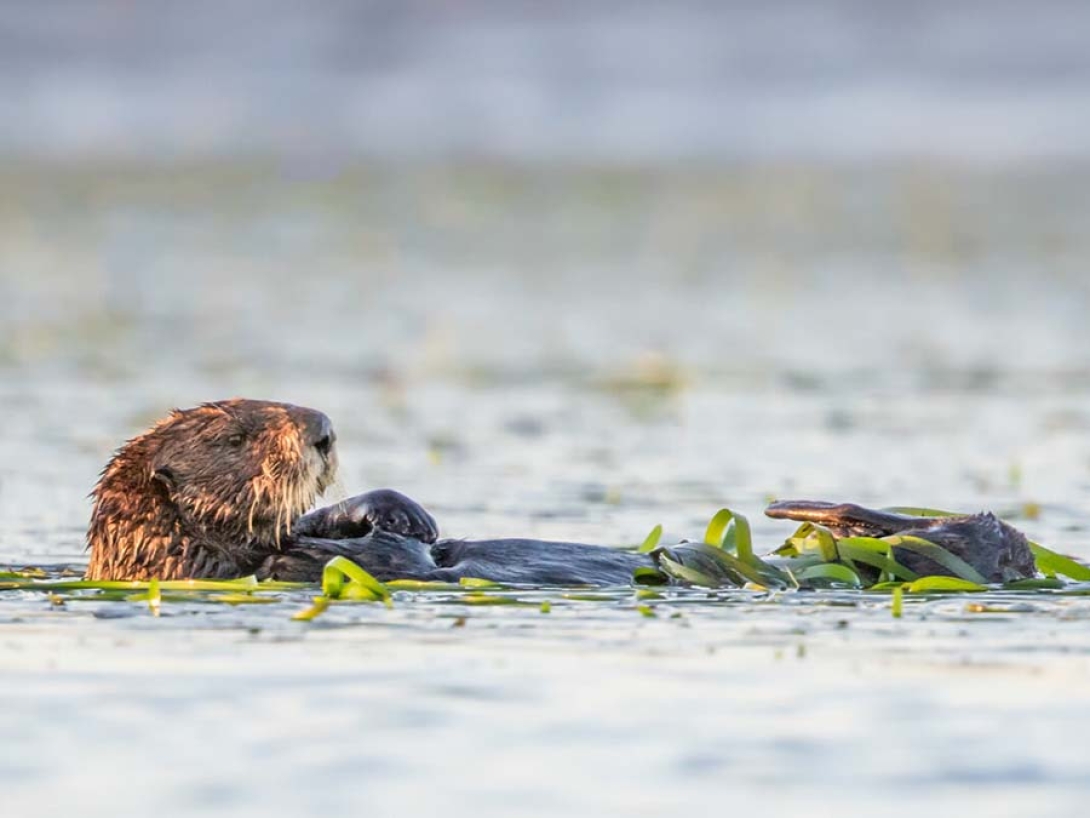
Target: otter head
<point>209,490</point>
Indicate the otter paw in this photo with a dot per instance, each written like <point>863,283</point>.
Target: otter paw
<point>383,509</point>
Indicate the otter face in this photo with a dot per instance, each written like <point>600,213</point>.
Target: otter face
<point>242,467</point>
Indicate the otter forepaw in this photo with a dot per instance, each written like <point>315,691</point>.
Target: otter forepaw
<point>358,516</point>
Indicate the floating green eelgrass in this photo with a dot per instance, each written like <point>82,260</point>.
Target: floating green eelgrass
<point>813,544</point>
<point>477,582</point>
<point>645,575</point>
<point>810,538</point>
<point>814,557</point>
<point>942,585</point>
<point>811,558</point>
<point>829,574</point>
<point>1052,564</point>
<point>155,597</point>
<point>240,599</point>
<point>687,574</point>
<point>1048,562</point>
<point>343,579</point>
<point>876,553</point>
<point>492,599</point>
<point>955,564</point>
<point>730,531</point>
<point>717,527</point>
<point>728,543</point>
<point>1036,584</point>
<point>321,603</point>
<point>421,585</point>
<point>651,542</point>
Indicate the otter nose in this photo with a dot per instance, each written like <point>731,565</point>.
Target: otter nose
<point>318,431</point>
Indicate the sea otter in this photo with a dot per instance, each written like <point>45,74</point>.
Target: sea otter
<point>220,491</point>
<point>217,491</point>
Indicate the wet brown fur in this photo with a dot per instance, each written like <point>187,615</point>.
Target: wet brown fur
<point>208,491</point>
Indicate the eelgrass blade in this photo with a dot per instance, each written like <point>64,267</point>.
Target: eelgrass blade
<point>830,573</point>
<point>338,569</point>
<point>645,575</point>
<point>237,599</point>
<point>897,606</point>
<point>875,553</point>
<point>1050,563</point>
<point>717,527</point>
<point>321,603</point>
<point>686,574</point>
<point>730,531</point>
<point>651,542</point>
<point>943,585</point>
<point>477,582</point>
<point>739,538</point>
<point>420,585</point>
<point>1035,584</point>
<point>959,567</point>
<point>155,597</point>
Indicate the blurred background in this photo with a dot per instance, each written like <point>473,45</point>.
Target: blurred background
<point>575,268</point>
<point>558,269</point>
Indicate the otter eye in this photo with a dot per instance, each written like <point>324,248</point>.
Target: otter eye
<point>236,440</point>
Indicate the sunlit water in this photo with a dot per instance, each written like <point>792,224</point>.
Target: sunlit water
<point>569,354</point>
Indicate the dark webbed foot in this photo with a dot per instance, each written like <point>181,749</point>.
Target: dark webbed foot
<point>383,509</point>
<point>997,551</point>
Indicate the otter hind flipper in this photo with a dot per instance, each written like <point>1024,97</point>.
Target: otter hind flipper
<point>845,519</point>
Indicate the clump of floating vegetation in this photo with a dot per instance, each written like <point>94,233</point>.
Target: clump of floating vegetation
<point>813,558</point>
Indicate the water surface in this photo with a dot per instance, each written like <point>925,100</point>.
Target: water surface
<point>563,352</point>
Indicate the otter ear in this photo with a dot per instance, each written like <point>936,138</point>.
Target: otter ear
<point>164,475</point>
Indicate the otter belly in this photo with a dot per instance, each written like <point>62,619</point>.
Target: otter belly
<point>389,556</point>
<point>536,562</point>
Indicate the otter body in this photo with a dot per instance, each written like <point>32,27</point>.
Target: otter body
<point>386,556</point>
<point>392,537</point>
<point>217,492</point>
<point>220,491</point>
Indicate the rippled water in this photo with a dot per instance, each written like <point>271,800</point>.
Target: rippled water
<point>564,353</point>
